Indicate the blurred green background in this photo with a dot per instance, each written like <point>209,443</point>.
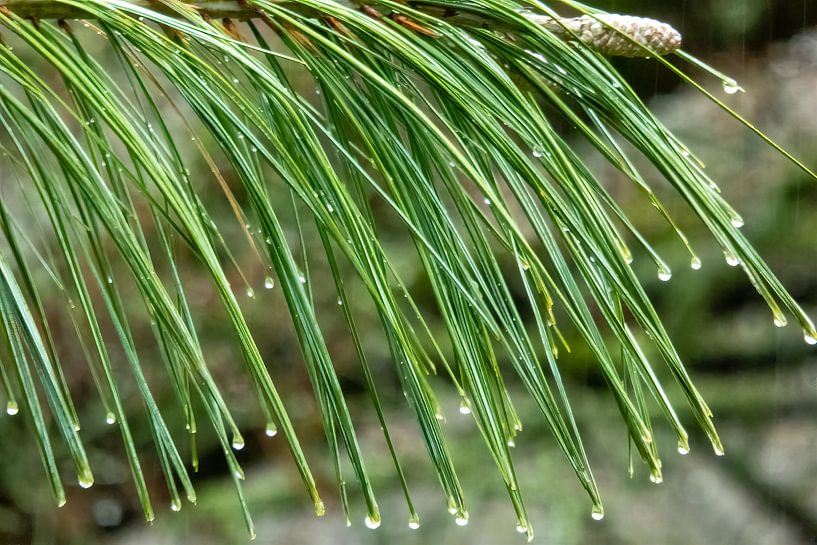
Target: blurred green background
<point>759,380</point>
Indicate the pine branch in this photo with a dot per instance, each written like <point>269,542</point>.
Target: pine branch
<point>609,34</point>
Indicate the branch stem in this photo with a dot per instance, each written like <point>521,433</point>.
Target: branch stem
<point>608,34</point>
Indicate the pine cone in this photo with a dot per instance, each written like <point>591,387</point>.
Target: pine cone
<point>599,33</point>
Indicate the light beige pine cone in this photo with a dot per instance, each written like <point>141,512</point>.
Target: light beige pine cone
<point>596,32</point>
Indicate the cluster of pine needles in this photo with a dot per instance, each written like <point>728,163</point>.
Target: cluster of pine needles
<point>449,114</point>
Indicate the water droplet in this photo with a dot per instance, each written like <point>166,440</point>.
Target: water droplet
<point>683,447</point>
<point>110,419</point>
<point>718,450</point>
<point>271,430</point>
<point>521,528</point>
<point>439,417</point>
<point>269,283</point>
<point>462,518</point>
<point>235,80</point>
<point>464,408</point>
<point>340,302</point>
<point>736,221</point>
<point>780,320</point>
<point>656,478</point>
<point>238,442</point>
<point>695,263</point>
<point>810,337</point>
<point>414,522</point>
<point>487,202</point>
<point>511,443</point>
<point>86,481</point>
<point>664,275</point>
<point>301,279</point>
<point>372,522</point>
<point>12,408</point>
<point>597,513</point>
<point>731,87</point>
<point>176,505</point>
<point>731,259</point>
<point>250,293</point>
<point>537,151</point>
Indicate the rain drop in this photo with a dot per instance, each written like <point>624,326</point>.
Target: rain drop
<point>176,505</point>
<point>462,518</point>
<point>340,302</point>
<point>86,481</point>
<point>737,222</point>
<point>780,320</point>
<point>271,430</point>
<point>521,528</point>
<point>656,478</point>
<point>238,442</point>
<point>810,338</point>
<point>487,202</point>
<point>250,293</point>
<point>269,283</point>
<point>537,151</point>
<point>110,419</point>
<point>683,448</point>
<point>464,408</point>
<point>731,259</point>
<point>664,275</point>
<point>414,522</point>
<point>597,513</point>
<point>372,523</point>
<point>12,408</point>
<point>301,279</point>
<point>695,263</point>
<point>731,87</point>
<point>718,450</point>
